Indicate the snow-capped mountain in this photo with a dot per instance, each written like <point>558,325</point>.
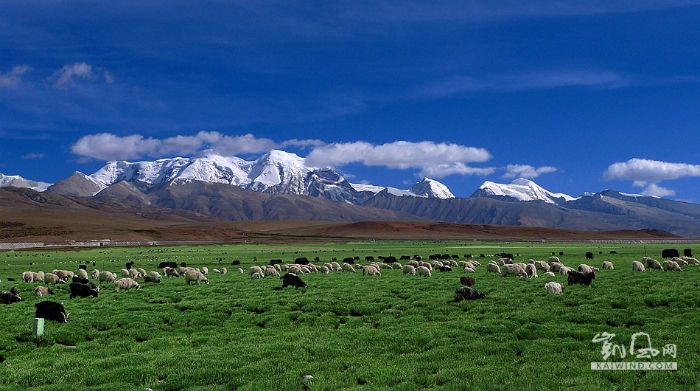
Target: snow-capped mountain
<point>521,189</point>
<point>18,181</point>
<point>276,172</point>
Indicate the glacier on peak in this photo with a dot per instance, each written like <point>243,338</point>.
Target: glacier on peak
<point>522,189</point>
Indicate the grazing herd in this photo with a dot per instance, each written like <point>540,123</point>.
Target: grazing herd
<point>81,284</point>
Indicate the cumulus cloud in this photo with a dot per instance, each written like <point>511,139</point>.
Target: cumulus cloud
<point>526,171</point>
<point>69,74</point>
<point>644,170</point>
<point>107,146</point>
<point>13,77</point>
<point>398,154</point>
<point>438,171</point>
<point>653,189</point>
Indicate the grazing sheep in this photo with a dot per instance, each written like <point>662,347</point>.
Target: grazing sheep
<point>95,274</point>
<point>205,270</point>
<point>348,267</point>
<point>467,293</point>
<point>608,265</point>
<point>82,273</point>
<point>271,271</point>
<point>423,271</point>
<point>197,276</point>
<point>107,276</point>
<point>692,261</point>
<point>256,276</point>
<point>583,268</point>
<point>548,274</point>
<point>554,287</point>
<point>371,271</point>
<point>493,268</point>
<point>637,266</point>
<point>125,283</point>
<point>151,279</point>
<point>467,280</point>
<point>409,269</point>
<point>156,275</point>
<point>28,276</point>
<point>42,291</point>
<point>553,259</point>
<point>531,270</point>
<point>50,278</point>
<point>542,265</point>
<point>240,270</point>
<point>170,272</point>
<point>653,263</point>
<point>672,266</point>
<point>216,270</point>
<point>135,273</point>
<point>125,273</point>
<point>63,274</point>
<point>224,270</point>
<point>469,270</point>
<point>565,270</point>
<point>517,270</point>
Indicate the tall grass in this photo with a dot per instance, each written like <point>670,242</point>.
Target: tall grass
<point>351,332</point>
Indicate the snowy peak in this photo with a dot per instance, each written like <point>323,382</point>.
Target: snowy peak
<point>18,181</point>
<point>521,189</point>
<point>276,172</point>
<point>431,189</point>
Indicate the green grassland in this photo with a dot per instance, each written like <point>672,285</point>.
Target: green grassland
<point>349,331</point>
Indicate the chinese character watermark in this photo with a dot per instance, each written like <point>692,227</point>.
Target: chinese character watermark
<point>640,347</point>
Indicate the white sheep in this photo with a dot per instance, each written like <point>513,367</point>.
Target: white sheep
<point>271,271</point>
<point>142,271</point>
<point>548,274</point>
<point>197,276</point>
<point>95,275</point>
<point>256,276</point>
<point>652,263</point>
<point>469,270</point>
<point>554,287</point>
<point>637,266</point>
<point>216,271</point>
<point>672,265</point>
<point>583,268</point>
<point>63,274</point>
<point>28,276</point>
<point>240,270</point>
<point>224,270</point>
<point>125,283</point>
<point>531,270</point>
<point>170,272</point>
<point>692,261</point>
<point>408,269</point>
<point>348,268</point>
<point>42,291</point>
<point>564,270</point>
<point>155,275</point>
<point>507,269</point>
<point>371,271</point>
<point>107,276</point>
<point>324,269</point>
<point>608,265</point>
<point>50,278</point>
<point>82,273</point>
<point>542,265</point>
<point>205,270</point>
<point>423,271</point>
<point>493,268</point>
<point>125,273</point>
<point>255,269</point>
<point>135,273</point>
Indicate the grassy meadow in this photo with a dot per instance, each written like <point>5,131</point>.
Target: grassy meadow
<point>349,331</point>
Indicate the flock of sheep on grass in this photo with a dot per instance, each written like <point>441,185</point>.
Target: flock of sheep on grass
<point>81,286</point>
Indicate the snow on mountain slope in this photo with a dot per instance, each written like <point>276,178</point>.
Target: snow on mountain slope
<point>522,190</point>
<point>18,181</point>
<point>276,172</point>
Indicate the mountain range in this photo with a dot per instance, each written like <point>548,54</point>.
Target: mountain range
<point>279,186</point>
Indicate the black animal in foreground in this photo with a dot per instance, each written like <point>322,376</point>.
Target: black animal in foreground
<point>575,277</point>
<point>51,310</point>
<point>10,297</point>
<point>467,280</point>
<point>291,279</point>
<point>467,293</point>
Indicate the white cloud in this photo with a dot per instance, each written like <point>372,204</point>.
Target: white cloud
<point>13,77</point>
<point>644,170</point>
<point>442,170</point>
<point>658,191</point>
<point>67,76</point>
<point>526,171</point>
<point>107,146</point>
<point>398,154</point>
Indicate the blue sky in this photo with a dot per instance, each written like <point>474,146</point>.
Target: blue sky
<point>579,96</point>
